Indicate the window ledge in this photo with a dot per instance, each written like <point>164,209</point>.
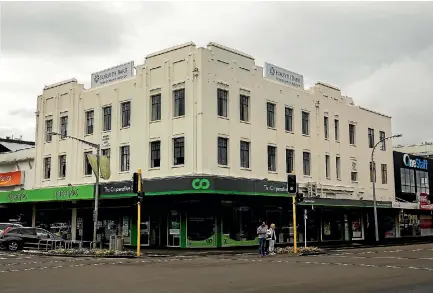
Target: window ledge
<point>46,180</point>
<point>245,122</point>
<point>223,117</point>
<point>178,166</point>
<point>154,168</point>
<point>308,176</point>
<point>353,145</point>
<point>328,178</point>
<point>126,127</point>
<point>155,121</point>
<point>337,141</point>
<point>306,135</point>
<point>272,172</point>
<point>106,131</point>
<point>178,117</point>
<point>88,175</point>
<point>88,134</point>
<point>124,172</point>
<point>327,139</point>
<point>61,178</point>
<point>245,169</point>
<point>339,179</point>
<point>271,128</point>
<point>223,166</point>
<point>355,182</point>
<point>290,132</point>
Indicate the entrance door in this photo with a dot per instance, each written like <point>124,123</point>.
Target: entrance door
<point>173,229</point>
<point>145,231</point>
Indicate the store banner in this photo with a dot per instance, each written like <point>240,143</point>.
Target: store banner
<point>11,178</point>
<point>116,189</point>
<point>344,202</point>
<point>66,193</point>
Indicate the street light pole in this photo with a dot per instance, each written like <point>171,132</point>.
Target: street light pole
<point>97,174</point>
<point>373,174</point>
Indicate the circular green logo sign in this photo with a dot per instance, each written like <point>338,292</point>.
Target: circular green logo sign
<point>200,183</point>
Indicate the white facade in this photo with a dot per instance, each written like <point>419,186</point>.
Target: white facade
<point>201,72</point>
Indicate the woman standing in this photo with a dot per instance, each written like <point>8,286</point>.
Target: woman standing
<point>272,239</point>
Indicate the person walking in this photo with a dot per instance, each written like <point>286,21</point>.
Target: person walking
<point>272,239</point>
<point>261,232</point>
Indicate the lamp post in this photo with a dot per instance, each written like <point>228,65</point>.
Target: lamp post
<point>98,150</point>
<point>373,173</point>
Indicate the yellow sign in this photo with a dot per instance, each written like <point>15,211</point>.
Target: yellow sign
<point>104,165</point>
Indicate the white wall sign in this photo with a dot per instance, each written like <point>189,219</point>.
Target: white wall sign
<point>112,74</point>
<point>283,75</point>
<point>105,140</point>
<point>405,205</point>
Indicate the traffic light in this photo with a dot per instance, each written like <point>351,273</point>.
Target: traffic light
<point>291,183</point>
<point>135,181</point>
<point>299,197</point>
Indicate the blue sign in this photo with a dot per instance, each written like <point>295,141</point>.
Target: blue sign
<point>417,163</point>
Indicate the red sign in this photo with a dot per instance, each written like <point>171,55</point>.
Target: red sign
<point>10,179</point>
<point>424,203</point>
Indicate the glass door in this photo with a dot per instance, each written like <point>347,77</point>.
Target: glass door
<point>145,231</point>
<point>173,229</point>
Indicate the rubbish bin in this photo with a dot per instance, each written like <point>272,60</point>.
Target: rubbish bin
<point>112,244</point>
<point>119,243</point>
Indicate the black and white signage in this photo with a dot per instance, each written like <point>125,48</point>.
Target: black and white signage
<point>112,74</point>
<point>283,75</point>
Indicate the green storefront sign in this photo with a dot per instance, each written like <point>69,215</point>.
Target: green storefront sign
<point>65,193</point>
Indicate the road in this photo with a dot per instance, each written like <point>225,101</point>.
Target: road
<point>390,269</point>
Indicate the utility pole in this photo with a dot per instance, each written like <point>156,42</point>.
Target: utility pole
<point>305,228</point>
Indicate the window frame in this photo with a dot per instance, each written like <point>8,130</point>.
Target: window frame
<point>290,160</point>
<point>222,102</point>
<point>178,148</point>
<point>352,134</point>
<point>382,136</point>
<point>125,114</point>
<point>306,168</point>
<point>87,167</point>
<point>179,102</point>
<point>47,168</point>
<point>384,173</point>
<point>326,127</point>
<point>64,126</point>
<point>106,118</point>
<point>155,107</point>
<point>288,119</point>
<point>338,167</point>
<point>272,158</point>
<point>270,115</point>
<point>155,154</point>
<point>90,122</point>
<point>327,166</point>
<point>305,126</point>
<point>222,145</point>
<point>245,154</point>
<point>125,158</point>
<point>48,130</point>
<point>244,106</point>
<point>337,130</point>
<point>371,138</point>
<point>62,166</point>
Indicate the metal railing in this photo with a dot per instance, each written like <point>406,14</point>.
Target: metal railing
<point>67,244</point>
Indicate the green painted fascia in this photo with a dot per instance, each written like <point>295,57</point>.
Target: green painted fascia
<point>227,192</point>
<point>121,195</point>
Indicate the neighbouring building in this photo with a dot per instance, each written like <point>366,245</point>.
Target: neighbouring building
<point>215,135</point>
<point>424,149</point>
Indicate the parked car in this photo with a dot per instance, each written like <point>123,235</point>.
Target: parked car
<point>28,237</point>
<point>8,226</point>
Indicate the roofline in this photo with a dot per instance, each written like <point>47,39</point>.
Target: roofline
<point>230,50</point>
<point>170,49</point>
<point>374,112</point>
<point>17,141</point>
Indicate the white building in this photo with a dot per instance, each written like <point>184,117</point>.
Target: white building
<point>264,128</point>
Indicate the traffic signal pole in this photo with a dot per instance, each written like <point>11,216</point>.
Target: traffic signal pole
<point>295,240</point>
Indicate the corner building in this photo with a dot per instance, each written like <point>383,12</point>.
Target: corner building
<point>215,140</point>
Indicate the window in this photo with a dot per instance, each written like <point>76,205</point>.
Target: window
<point>245,154</point>
<point>47,168</point>
<point>407,177</point>
<point>337,129</point>
<point>222,151</point>
<point>222,96</point>
<point>179,151</point>
<point>272,162</point>
<point>306,163</point>
<point>384,173</point>
<point>62,166</point>
<point>89,121</point>
<point>422,184</point>
<point>290,161</point>
<point>372,171</point>
<point>354,176</point>
<point>326,126</point>
<point>371,138</point>
<point>106,125</point>
<point>106,153</point>
<point>48,130</point>
<point>305,123</point>
<point>327,167</point>
<point>288,119</point>
<point>64,126</point>
<point>156,107</point>
<point>352,134</point>
<point>87,166</point>
<point>338,167</point>
<point>124,158</point>
<point>382,139</point>
<point>126,114</point>
<point>243,110</point>
<point>179,102</point>
<point>271,114</point>
<point>155,154</point>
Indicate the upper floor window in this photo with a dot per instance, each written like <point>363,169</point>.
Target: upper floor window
<point>326,126</point>
<point>106,153</point>
<point>178,151</point>
<point>155,154</point>
<point>382,139</point>
<point>126,114</point>
<point>87,165</point>
<point>245,154</point>
<point>384,173</point>
<point>106,125</point>
<point>407,178</point>
<point>338,167</point>
<point>306,163</point>
<point>48,130</point>
<point>372,171</point>
<point>337,129</point>
<point>179,102</point>
<point>62,166</point>
<point>156,107</point>
<point>89,121</point>
<point>305,123</point>
<point>63,126</point>
<point>327,167</point>
<point>47,168</point>
<point>288,119</point>
<point>422,182</point>
<point>271,114</point>
<point>371,138</point>
<point>222,151</point>
<point>272,158</point>
<point>243,107</point>
<point>352,132</point>
<point>125,156</point>
<point>290,161</point>
<point>222,101</point>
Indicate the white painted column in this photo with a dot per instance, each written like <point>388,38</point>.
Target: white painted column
<point>34,215</point>
<point>74,224</point>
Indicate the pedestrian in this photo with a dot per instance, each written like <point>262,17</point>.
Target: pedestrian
<point>268,237</point>
<point>272,239</point>
<point>261,232</point>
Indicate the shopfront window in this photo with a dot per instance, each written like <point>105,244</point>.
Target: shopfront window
<point>356,225</point>
<point>114,222</point>
<point>200,227</point>
<point>387,224</point>
<point>426,225</point>
<point>57,221</point>
<point>407,177</point>
<point>332,225</point>
<point>145,231</point>
<point>173,229</point>
<point>422,184</point>
<point>239,223</point>
<point>409,225</point>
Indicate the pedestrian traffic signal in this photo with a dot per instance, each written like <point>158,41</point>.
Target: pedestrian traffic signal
<point>135,181</point>
<point>291,183</point>
<point>299,197</point>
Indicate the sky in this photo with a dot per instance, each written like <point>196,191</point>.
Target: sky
<point>378,53</point>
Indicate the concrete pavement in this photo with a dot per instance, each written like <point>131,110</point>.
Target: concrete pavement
<point>396,269</point>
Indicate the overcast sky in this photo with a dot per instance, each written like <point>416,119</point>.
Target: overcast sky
<point>381,54</point>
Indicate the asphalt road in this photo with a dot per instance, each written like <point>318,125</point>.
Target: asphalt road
<point>391,269</point>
